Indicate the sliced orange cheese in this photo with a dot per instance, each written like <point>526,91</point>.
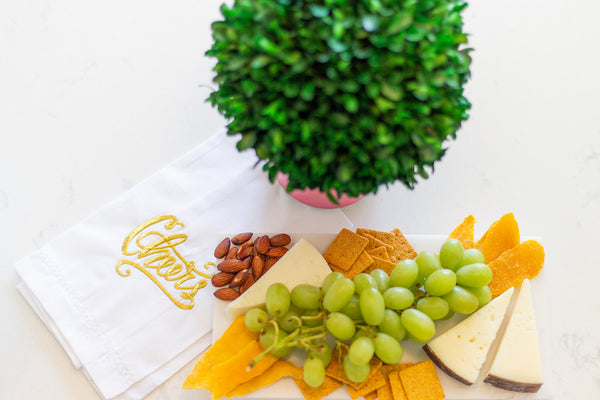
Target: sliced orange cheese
<point>464,232</point>
<point>503,235</point>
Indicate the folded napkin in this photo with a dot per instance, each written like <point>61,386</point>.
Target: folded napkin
<point>126,291</point>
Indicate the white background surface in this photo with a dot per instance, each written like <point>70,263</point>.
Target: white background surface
<point>95,96</point>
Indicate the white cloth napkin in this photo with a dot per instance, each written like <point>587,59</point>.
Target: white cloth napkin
<point>129,327</point>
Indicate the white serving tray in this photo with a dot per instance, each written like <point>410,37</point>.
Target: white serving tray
<point>285,388</point>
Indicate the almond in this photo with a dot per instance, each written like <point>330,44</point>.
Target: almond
<point>241,238</point>
<point>247,283</point>
<point>247,262</point>
<point>239,278</point>
<point>258,264</point>
<point>269,263</point>
<point>221,279</point>
<point>280,240</point>
<point>226,294</point>
<point>262,244</point>
<point>230,265</point>
<point>245,249</point>
<point>276,251</point>
<point>222,248</point>
<point>232,253</point>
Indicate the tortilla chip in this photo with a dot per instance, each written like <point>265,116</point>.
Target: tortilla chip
<point>345,249</point>
<point>275,372</point>
<point>380,252</point>
<point>316,393</point>
<point>523,261</point>
<point>465,232</point>
<point>363,261</point>
<point>380,263</point>
<point>233,340</point>
<point>420,382</point>
<point>503,235</point>
<point>229,374</point>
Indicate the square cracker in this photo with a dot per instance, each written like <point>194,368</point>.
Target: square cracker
<point>420,382</point>
<point>335,369</point>
<point>396,387</point>
<point>316,393</point>
<point>380,252</point>
<point>345,249</point>
<point>380,263</point>
<point>374,243</point>
<point>402,248</point>
<point>361,264</point>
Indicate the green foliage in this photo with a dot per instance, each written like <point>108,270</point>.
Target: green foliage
<point>342,94</point>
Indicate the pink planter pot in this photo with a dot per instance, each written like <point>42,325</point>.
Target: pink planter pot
<point>315,197</point>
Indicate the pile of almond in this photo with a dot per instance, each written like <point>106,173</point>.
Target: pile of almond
<point>244,261</point>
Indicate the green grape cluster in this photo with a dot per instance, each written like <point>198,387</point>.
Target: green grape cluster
<point>371,314</point>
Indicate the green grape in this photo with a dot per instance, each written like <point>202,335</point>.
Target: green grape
<point>321,350</point>
<point>387,348</point>
<point>352,309</point>
<point>313,371</point>
<point>363,281</point>
<point>329,279</point>
<point>338,294</point>
<point>440,282</point>
<point>451,253</point>
<point>356,372</point>
<point>340,325</point>
<point>290,320</point>
<point>311,322</point>
<point>448,316</point>
<point>277,299</point>
<point>428,262</point>
<point>472,256</point>
<point>361,350</point>
<point>483,294</point>
<point>382,279</point>
<point>256,319</point>
<point>267,338</point>
<point>306,296</point>
<point>392,325</point>
<point>418,325</point>
<point>404,274</point>
<point>398,298</point>
<point>474,275</point>
<point>461,300</point>
<point>434,307</point>
<point>372,306</point>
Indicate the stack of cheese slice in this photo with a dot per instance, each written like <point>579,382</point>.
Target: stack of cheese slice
<point>462,350</point>
<point>517,365</point>
<point>303,263</point>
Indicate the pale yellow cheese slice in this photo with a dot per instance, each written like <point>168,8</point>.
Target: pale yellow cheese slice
<point>301,264</point>
<point>462,350</point>
<point>517,364</point>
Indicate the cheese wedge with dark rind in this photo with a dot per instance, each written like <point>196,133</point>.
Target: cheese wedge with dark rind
<point>517,365</point>
<point>461,351</point>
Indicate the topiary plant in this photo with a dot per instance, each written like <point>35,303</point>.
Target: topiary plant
<point>342,94</point>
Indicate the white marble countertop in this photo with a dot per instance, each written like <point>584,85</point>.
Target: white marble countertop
<point>95,96</point>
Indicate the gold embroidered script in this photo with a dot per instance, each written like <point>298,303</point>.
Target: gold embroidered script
<point>153,250</point>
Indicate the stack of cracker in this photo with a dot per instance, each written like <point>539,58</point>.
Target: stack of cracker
<point>367,249</point>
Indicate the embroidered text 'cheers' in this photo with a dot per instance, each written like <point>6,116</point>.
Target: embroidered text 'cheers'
<point>153,250</point>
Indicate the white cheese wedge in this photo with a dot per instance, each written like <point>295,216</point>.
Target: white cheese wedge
<point>301,264</point>
<point>462,350</point>
<point>517,366</point>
